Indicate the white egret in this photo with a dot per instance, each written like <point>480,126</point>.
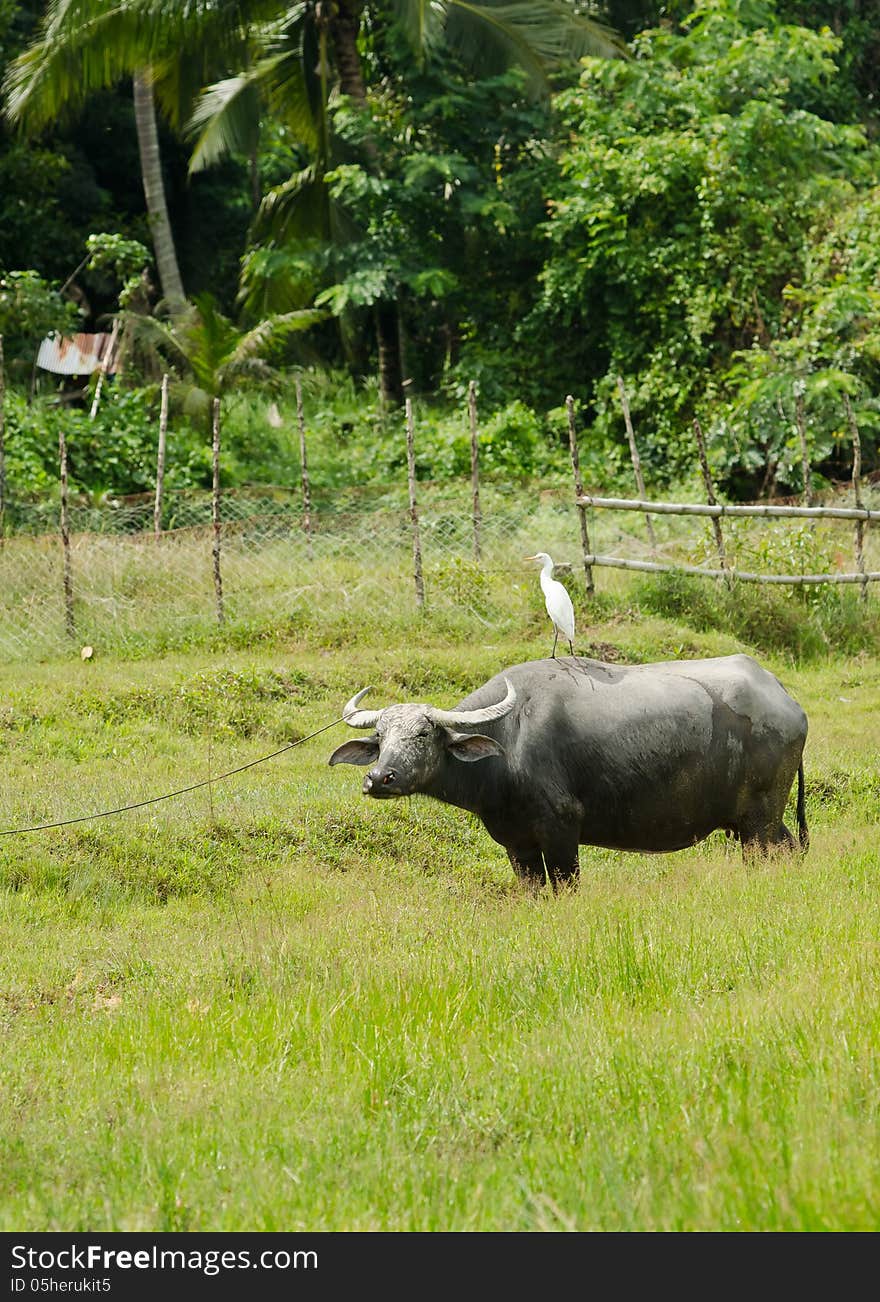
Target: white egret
<point>558,602</point>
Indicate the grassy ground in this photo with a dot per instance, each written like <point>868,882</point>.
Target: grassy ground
<point>274,1005</point>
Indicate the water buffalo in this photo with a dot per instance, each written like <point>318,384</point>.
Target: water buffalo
<point>575,752</point>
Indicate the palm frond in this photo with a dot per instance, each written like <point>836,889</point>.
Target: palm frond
<point>167,336</point>
<point>84,46</point>
<point>423,23</point>
<point>272,331</point>
<point>297,209</point>
<point>538,35</point>
<point>227,120</point>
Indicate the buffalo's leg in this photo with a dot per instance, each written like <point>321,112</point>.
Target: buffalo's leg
<point>760,839</point>
<point>528,864</point>
<point>555,862</point>
<point>784,839</point>
<point>762,829</point>
<point>561,860</point>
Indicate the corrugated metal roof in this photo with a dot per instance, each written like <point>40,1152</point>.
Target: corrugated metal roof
<point>75,354</point>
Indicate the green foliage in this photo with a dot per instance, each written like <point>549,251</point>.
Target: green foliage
<point>351,443</point>
<point>464,582</point>
<point>30,450</point>
<point>126,260</point>
<point>803,621</point>
<point>114,454</point>
<point>701,218</point>
<point>35,230</point>
<point>696,180</point>
<point>433,205</point>
<point>854,93</point>
<point>30,309</point>
<point>802,624</point>
<point>211,353</point>
<point>511,441</point>
<point>829,339</point>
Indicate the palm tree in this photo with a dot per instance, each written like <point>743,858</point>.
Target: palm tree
<point>210,353</point>
<point>154,190</point>
<point>294,56</point>
<point>88,45</point>
<point>293,66</point>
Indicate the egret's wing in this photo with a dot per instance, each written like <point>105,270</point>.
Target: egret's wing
<point>561,611</point>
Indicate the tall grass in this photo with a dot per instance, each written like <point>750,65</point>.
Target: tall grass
<point>272,1004</point>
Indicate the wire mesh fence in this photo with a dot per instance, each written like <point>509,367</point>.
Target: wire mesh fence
<point>351,573</point>
<point>135,591</point>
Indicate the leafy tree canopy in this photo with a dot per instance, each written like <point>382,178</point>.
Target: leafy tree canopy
<point>697,181</point>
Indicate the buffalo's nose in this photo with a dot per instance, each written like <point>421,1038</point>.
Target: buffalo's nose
<point>379,777</point>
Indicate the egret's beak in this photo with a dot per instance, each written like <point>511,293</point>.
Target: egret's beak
<point>530,558</point>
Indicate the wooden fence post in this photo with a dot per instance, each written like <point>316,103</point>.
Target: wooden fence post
<point>800,417</point>
<point>857,492</point>
<point>160,459</point>
<point>215,512</point>
<point>636,460</point>
<point>105,366</point>
<point>579,492</point>
<point>413,510</point>
<point>2,443</point>
<point>304,468</point>
<point>475,469</point>
<point>710,495</point>
<point>65,539</point>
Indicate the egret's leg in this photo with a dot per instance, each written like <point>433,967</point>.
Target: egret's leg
<point>555,640</point>
<point>571,649</point>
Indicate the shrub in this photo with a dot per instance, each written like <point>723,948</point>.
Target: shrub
<point>801,623</point>
<point>115,453</point>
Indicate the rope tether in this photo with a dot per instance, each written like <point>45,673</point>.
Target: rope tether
<point>85,818</point>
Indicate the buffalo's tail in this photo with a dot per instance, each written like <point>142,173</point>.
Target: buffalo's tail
<point>803,831</point>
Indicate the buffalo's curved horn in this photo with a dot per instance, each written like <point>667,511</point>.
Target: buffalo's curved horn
<point>457,718</point>
<point>356,718</point>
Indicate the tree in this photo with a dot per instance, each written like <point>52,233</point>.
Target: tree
<point>447,231</point>
<point>695,181</point>
<point>154,189</point>
<point>90,45</point>
<point>297,57</point>
<point>210,352</point>
<point>313,51</point>
<point>829,341</point>
<point>30,309</point>
<point>50,197</point>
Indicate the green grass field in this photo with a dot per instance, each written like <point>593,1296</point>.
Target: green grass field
<point>275,1005</point>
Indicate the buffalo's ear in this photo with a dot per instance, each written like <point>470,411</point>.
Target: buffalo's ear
<point>472,747</point>
<point>355,751</point>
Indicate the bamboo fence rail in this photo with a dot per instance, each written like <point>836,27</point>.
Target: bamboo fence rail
<point>723,508</point>
<point>654,567</point>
